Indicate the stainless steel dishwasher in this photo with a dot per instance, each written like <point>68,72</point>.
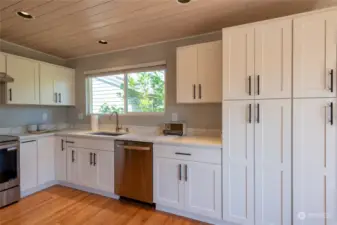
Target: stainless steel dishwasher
<point>133,170</point>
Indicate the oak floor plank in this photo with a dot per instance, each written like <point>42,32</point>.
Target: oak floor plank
<point>65,206</point>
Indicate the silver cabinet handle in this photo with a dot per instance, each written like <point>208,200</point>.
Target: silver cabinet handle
<point>179,175</point>
<point>72,155</point>
<point>90,160</point>
<point>258,113</point>
<point>331,80</point>
<point>193,91</point>
<point>94,155</point>
<point>200,95</point>
<point>250,113</point>
<point>60,98</point>
<point>55,94</point>
<point>10,94</point>
<point>186,172</point>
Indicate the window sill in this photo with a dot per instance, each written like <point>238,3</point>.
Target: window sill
<point>132,114</point>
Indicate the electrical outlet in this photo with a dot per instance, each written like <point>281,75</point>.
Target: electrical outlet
<point>44,117</point>
<point>174,117</point>
<point>80,116</point>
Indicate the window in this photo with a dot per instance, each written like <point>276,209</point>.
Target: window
<point>133,91</point>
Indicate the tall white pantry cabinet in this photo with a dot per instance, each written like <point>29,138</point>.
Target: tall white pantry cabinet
<point>279,121</point>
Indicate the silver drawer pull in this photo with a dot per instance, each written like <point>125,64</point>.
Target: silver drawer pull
<point>137,148</point>
<point>180,153</point>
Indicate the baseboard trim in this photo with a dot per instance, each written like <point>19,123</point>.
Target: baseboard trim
<point>192,215</point>
<point>90,190</point>
<point>38,188</point>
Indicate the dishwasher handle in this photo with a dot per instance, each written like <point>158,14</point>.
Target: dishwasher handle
<point>137,148</point>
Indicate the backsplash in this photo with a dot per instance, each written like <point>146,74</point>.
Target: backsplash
<point>14,116</point>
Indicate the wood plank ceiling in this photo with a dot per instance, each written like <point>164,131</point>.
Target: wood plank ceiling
<point>71,28</point>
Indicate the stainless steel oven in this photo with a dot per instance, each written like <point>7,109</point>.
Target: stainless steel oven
<point>9,170</point>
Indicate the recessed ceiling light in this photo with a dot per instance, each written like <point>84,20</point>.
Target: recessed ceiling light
<point>103,42</point>
<point>25,15</point>
<point>184,1</point>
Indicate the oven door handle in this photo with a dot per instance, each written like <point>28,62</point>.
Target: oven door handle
<point>137,148</point>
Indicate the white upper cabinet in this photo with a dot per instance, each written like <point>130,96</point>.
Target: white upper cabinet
<point>25,88</point>
<point>273,59</point>
<point>238,161</point>
<point>257,61</point>
<point>199,73</point>
<point>2,63</point>
<point>203,189</point>
<point>314,166</point>
<point>57,85</point>
<point>187,69</point>
<point>315,43</point>
<point>273,162</point>
<point>238,63</point>
<point>210,72</point>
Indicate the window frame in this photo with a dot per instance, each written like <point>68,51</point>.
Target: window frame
<point>89,91</point>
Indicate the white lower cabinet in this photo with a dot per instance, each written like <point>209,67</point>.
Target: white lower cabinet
<point>91,168</point>
<point>185,185</point>
<point>203,189</point>
<point>46,159</point>
<point>169,186</point>
<point>105,171</point>
<point>72,165</point>
<point>257,162</point>
<point>314,165</point>
<point>60,159</point>
<point>28,165</point>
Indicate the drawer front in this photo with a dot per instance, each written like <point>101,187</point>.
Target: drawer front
<point>97,144</point>
<point>206,155</point>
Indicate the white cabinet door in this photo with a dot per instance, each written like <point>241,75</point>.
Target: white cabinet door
<point>28,165</point>
<point>104,161</point>
<point>203,189</point>
<point>60,159</point>
<point>273,162</point>
<point>48,75</point>
<point>72,165</point>
<point>46,160</point>
<point>238,63</point>
<point>187,69</point>
<point>85,168</point>
<point>238,161</point>
<point>2,63</point>
<point>25,88</point>
<point>314,163</point>
<point>315,43</point>
<point>209,89</point>
<point>273,59</point>
<point>66,86</point>
<point>169,183</point>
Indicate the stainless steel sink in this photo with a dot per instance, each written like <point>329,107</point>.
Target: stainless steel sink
<point>106,133</point>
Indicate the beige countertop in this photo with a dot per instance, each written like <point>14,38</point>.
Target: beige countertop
<point>197,141</point>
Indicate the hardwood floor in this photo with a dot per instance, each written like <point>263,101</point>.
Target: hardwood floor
<point>61,205</point>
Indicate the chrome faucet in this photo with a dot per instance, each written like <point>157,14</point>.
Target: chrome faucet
<point>118,128</point>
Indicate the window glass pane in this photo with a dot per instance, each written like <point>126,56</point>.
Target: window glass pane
<point>146,91</point>
<point>108,94</point>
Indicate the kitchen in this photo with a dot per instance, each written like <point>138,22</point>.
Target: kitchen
<point>208,125</point>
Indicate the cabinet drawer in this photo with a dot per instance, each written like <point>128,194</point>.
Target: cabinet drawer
<point>97,144</point>
<point>207,155</point>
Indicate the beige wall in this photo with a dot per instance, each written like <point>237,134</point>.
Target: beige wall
<point>11,116</point>
<point>196,115</point>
